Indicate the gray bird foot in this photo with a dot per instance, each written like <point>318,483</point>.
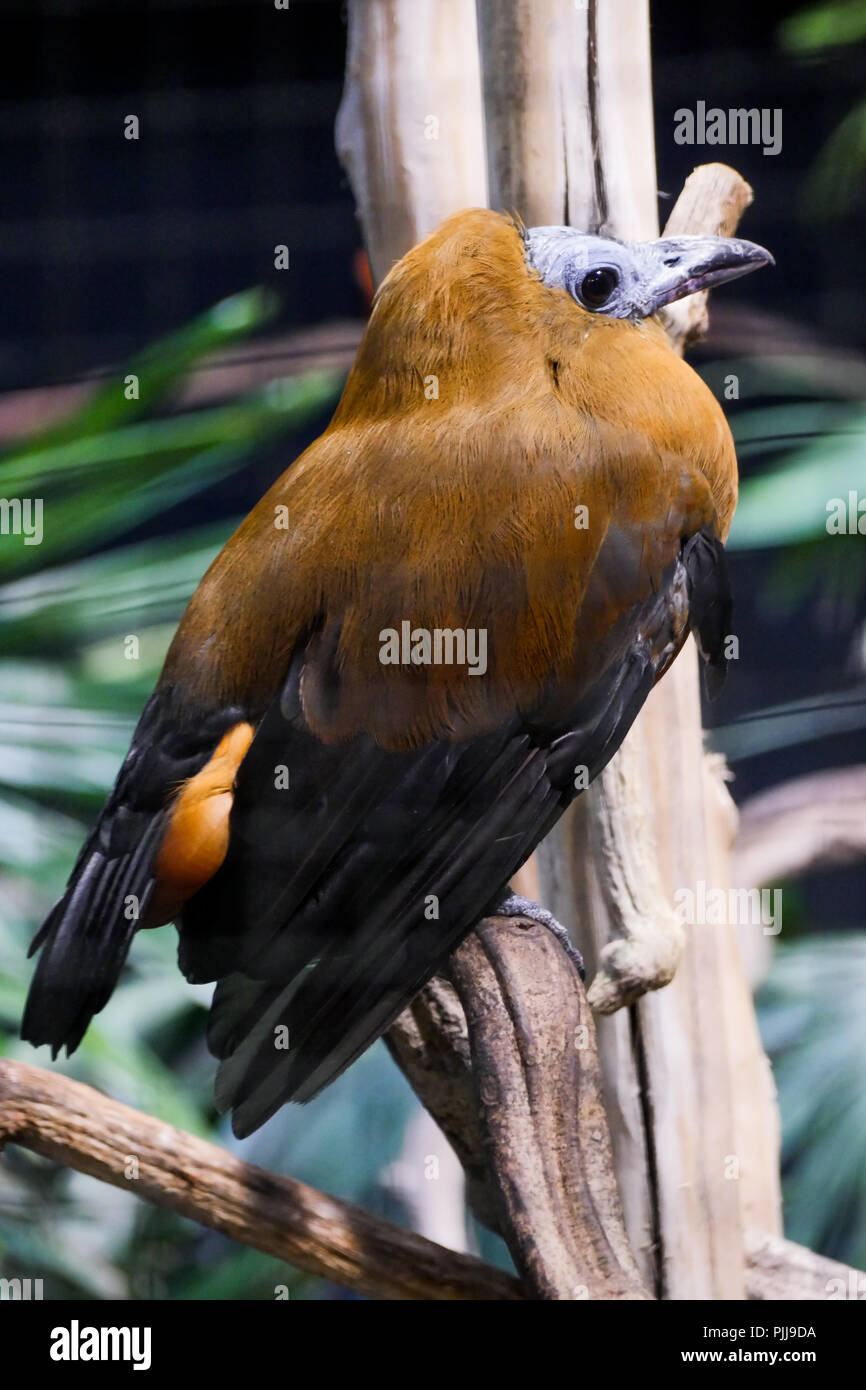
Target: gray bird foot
<point>515,906</point>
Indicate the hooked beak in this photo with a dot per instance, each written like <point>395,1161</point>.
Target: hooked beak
<point>686,264</point>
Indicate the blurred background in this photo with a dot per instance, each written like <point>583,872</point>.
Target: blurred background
<point>155,257</point>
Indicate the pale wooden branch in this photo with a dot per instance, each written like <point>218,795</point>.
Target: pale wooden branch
<point>779,1270</point>
<point>713,199</point>
<point>647,940</point>
<point>77,1126</point>
<point>566,91</point>
<point>409,131</point>
<point>802,826</point>
<point>430,1044</point>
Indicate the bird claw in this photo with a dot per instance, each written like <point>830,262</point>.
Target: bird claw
<point>516,906</point>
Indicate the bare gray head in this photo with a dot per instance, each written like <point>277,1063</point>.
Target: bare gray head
<point>632,280</point>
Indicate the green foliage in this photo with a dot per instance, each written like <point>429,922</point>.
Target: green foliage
<point>836,179</point>
<point>814,1027</point>
<point>791,724</point>
<point>802,418</point>
<point>837,174</point>
<point>824,458</point>
<point>824,27</point>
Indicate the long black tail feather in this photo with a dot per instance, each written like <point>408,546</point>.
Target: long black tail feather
<point>84,941</point>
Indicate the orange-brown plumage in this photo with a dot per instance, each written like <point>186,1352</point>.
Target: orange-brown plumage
<point>499,460</point>
<point>301,799</point>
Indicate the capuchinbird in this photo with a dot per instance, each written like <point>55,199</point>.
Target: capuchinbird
<point>435,628</point>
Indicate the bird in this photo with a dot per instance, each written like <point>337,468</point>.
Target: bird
<point>431,633</point>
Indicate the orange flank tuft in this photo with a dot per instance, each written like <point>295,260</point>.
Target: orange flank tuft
<point>197,837</point>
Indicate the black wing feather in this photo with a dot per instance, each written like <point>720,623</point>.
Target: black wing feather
<point>316,922</point>
<point>85,939</point>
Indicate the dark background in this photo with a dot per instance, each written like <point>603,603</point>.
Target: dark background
<point>106,243</point>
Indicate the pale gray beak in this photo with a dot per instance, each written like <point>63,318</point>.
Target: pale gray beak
<point>685,264</point>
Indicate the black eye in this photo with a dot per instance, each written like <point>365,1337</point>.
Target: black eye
<point>597,286</point>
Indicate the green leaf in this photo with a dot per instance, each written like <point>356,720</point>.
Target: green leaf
<point>824,26</point>
<point>814,1027</point>
<point>785,725</point>
<point>132,587</point>
<point>834,181</point>
<point>791,503</point>
<point>99,486</point>
<point>159,369</point>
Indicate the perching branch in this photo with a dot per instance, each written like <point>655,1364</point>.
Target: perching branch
<point>430,1044</point>
<point>504,1057</point>
<point>544,1132</point>
<point>77,1126</point>
<point>713,199</point>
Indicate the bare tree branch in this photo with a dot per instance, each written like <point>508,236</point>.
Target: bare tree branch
<point>505,1059</point>
<point>713,199</point>
<point>77,1126</point>
<point>543,1126</point>
<point>778,1269</point>
<point>430,1044</point>
<point>408,170</point>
